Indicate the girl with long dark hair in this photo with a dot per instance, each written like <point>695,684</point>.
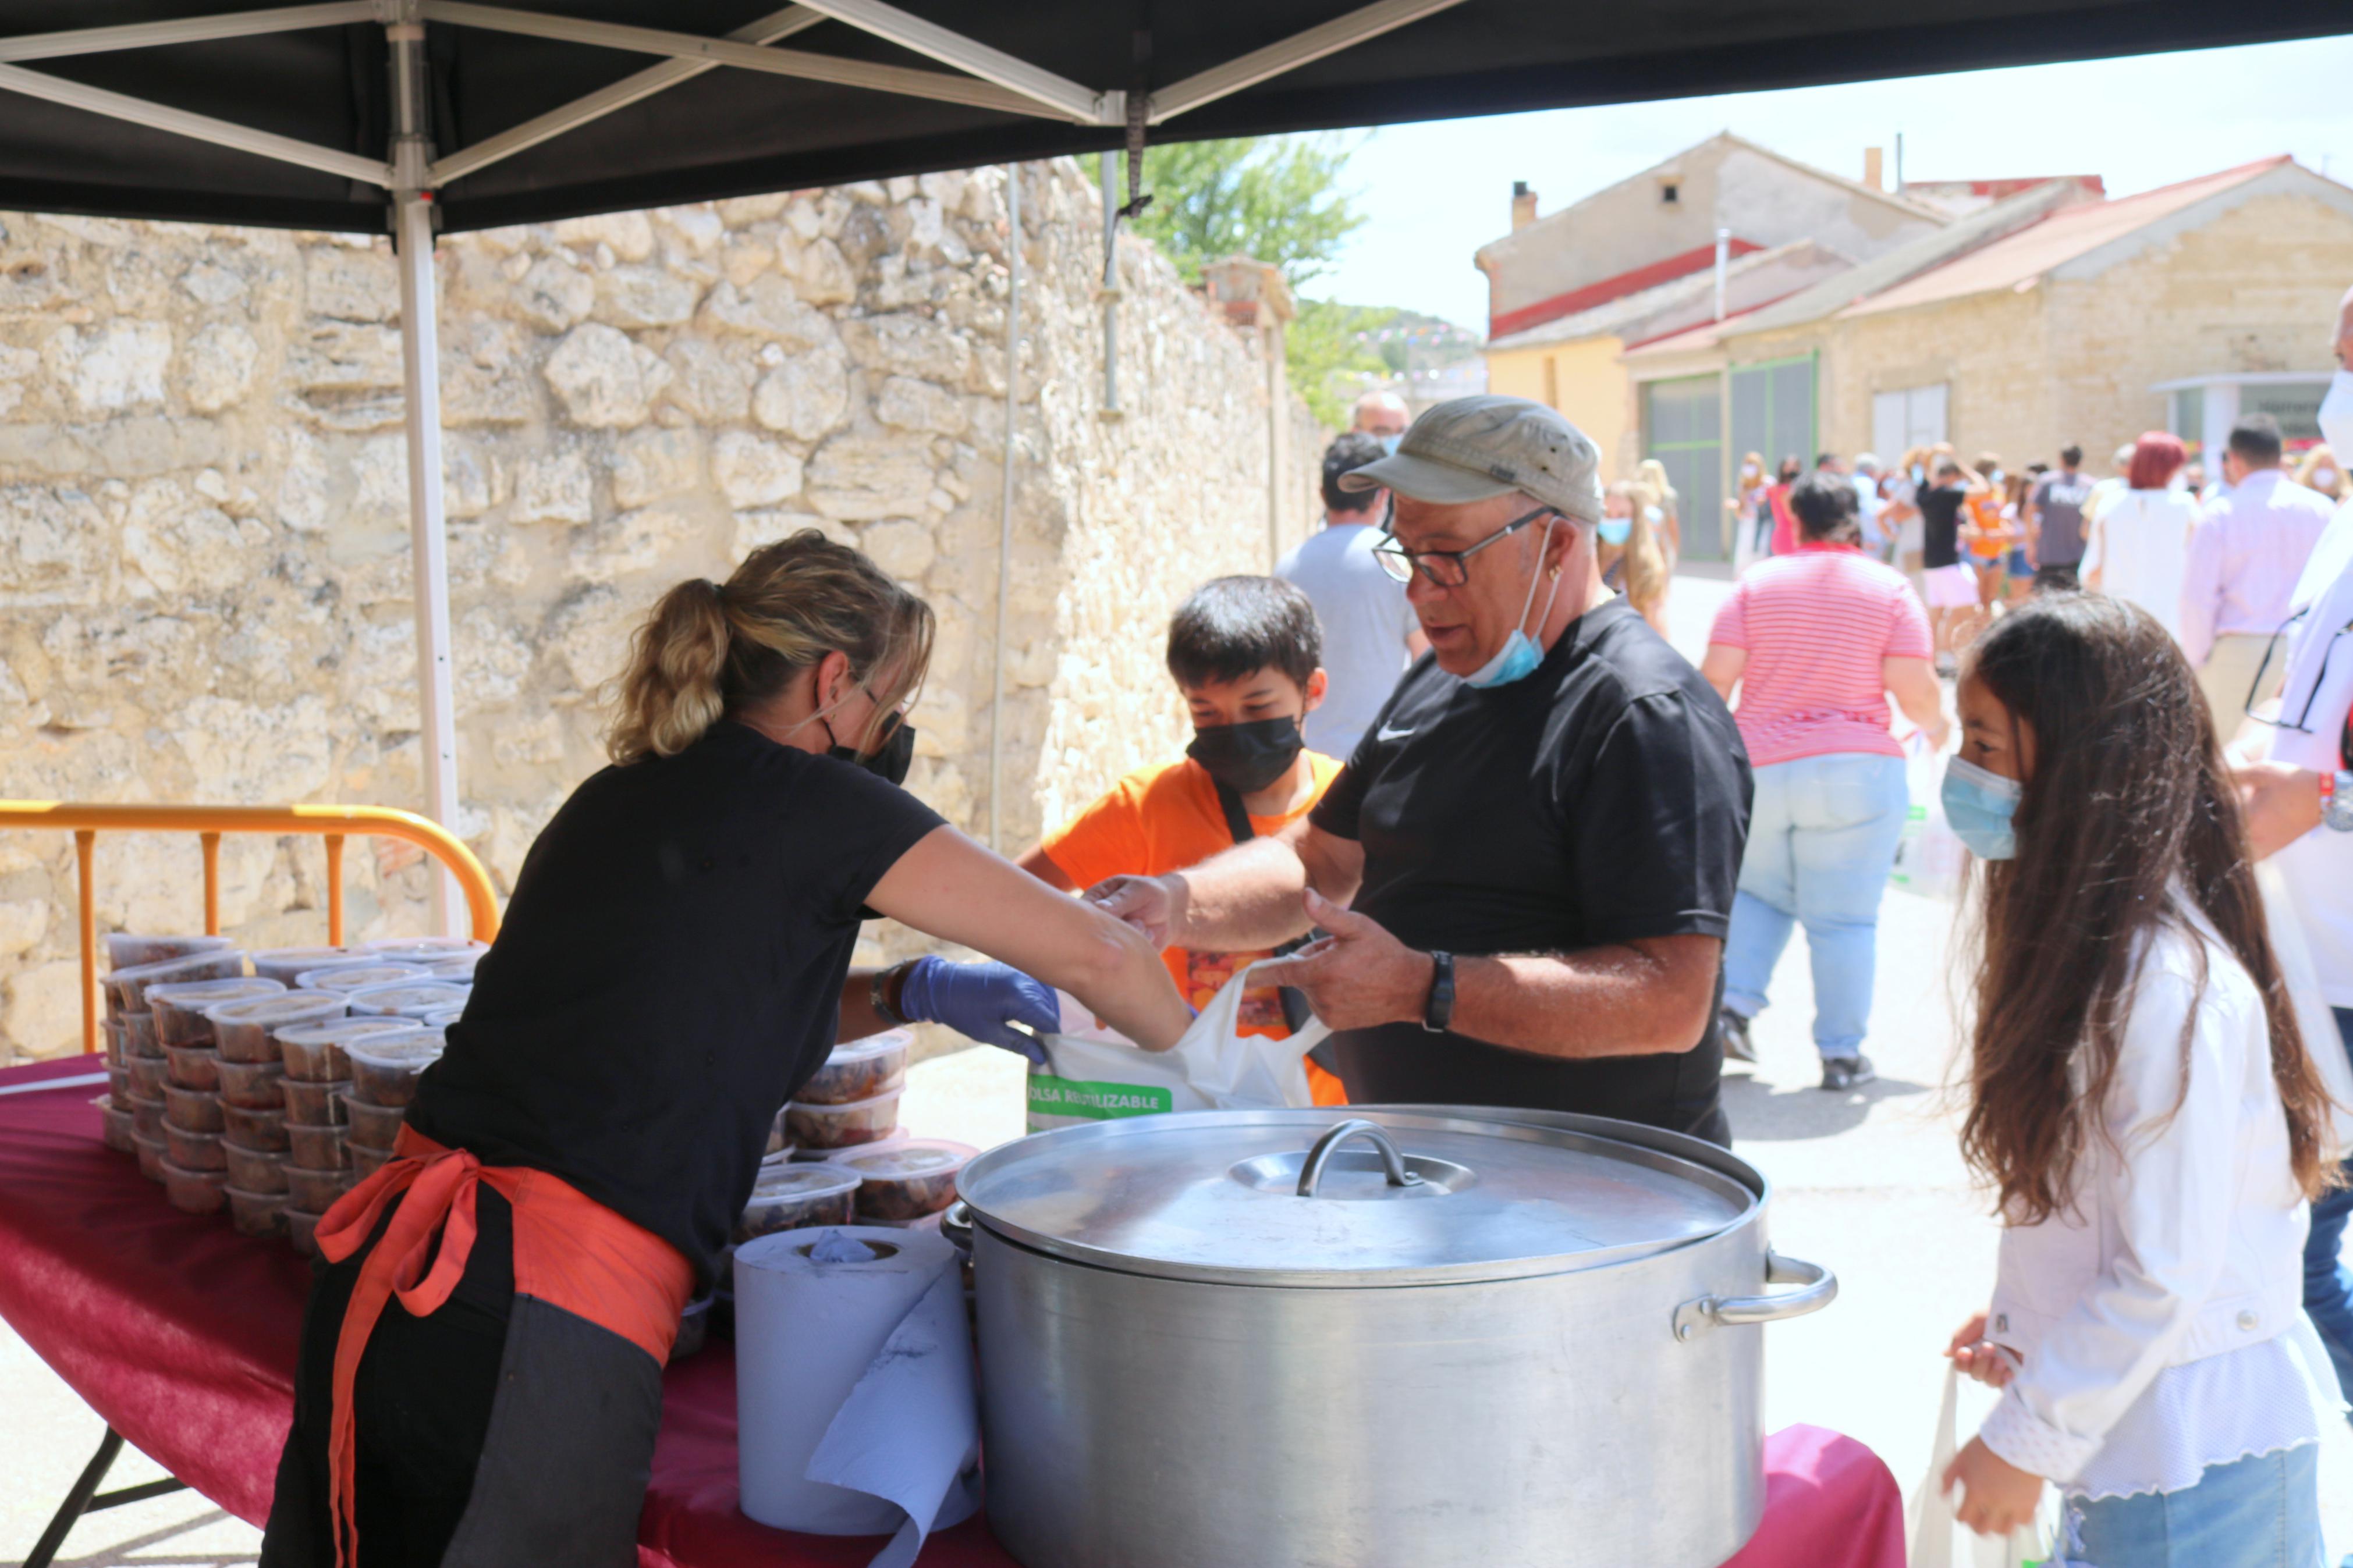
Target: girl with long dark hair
<point>2141,1101</point>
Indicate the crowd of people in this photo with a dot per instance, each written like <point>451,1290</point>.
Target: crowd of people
<point>1451,791</point>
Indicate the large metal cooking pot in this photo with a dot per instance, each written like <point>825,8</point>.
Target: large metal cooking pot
<point>1373,1338</point>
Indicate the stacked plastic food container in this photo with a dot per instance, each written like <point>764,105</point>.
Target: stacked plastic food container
<point>270,1094</point>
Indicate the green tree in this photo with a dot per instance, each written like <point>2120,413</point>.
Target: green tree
<point>1280,200</point>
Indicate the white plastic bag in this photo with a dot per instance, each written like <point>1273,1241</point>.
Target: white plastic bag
<point>1929,858</point>
<point>1931,1510</point>
<point>1096,1075</point>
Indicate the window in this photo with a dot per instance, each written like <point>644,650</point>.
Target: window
<point>1773,410</point>
<point>1683,426</point>
<point>2188,420</point>
<point>1670,194</point>
<point>1900,421</point>
<point>2295,403</point>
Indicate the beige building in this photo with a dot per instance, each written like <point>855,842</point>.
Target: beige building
<point>1570,292</point>
<point>2048,318</point>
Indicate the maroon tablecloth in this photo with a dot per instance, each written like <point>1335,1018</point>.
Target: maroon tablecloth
<point>181,1334</point>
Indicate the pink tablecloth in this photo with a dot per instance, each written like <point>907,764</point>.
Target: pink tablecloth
<point>181,1334</point>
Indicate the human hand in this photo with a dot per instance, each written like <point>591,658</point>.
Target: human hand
<point>1997,1496</point>
<point>1357,976</point>
<point>981,1001</point>
<point>2282,803</point>
<point>1978,1356</point>
<point>1153,905</point>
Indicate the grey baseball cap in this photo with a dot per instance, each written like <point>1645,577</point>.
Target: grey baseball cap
<point>1475,449</point>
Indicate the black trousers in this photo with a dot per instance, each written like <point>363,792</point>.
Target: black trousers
<point>499,1432</point>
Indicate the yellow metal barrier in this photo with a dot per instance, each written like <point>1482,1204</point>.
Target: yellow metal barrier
<point>331,822</point>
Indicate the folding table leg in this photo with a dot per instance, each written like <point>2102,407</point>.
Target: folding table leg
<point>85,1497</point>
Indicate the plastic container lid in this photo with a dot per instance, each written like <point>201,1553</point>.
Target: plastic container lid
<point>195,996</point>
<point>412,1052</point>
<point>123,947</point>
<point>443,1019</point>
<point>343,1031</point>
<point>801,1182</point>
<point>293,1006</point>
<point>423,948</point>
<point>867,1050</point>
<point>453,966</point>
<point>346,977</point>
<point>407,998</point>
<point>847,1107</point>
<point>293,963</point>
<point>911,1157</point>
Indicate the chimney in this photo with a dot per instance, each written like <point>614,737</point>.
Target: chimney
<point>1872,168</point>
<point>1523,205</point>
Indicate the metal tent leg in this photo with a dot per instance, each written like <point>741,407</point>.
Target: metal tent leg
<point>85,1497</point>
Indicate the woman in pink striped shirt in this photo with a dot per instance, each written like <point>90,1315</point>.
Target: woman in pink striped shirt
<point>1815,641</point>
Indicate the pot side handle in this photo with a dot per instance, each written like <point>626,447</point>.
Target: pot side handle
<point>1819,1290</point>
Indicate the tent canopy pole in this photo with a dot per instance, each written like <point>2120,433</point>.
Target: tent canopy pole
<point>420,359</point>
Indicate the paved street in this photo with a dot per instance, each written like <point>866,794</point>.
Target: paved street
<point>1867,1183</point>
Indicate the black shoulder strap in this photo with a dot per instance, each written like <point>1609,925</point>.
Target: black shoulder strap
<point>1237,822</point>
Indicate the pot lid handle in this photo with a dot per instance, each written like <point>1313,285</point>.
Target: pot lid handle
<point>1392,1163</point>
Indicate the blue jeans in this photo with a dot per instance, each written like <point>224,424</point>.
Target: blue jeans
<point>1821,839</point>
<point>2262,1512</point>
<point>2327,1282</point>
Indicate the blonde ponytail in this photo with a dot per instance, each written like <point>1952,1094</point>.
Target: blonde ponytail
<point>710,650</point>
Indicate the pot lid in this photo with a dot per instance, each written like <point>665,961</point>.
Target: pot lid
<point>1216,1195</point>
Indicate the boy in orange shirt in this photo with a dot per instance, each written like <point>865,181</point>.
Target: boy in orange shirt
<point>1247,656</point>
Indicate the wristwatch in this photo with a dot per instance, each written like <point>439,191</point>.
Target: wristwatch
<point>2336,801</point>
<point>879,987</point>
<point>1439,1011</point>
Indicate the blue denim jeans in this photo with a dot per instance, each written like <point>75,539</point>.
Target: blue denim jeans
<point>2327,1282</point>
<point>1821,839</point>
<point>2262,1512</point>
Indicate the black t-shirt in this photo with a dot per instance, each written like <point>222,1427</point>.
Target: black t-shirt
<point>669,973</point>
<point>1601,799</point>
<point>1940,525</point>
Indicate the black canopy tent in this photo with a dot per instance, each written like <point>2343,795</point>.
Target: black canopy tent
<point>423,115</point>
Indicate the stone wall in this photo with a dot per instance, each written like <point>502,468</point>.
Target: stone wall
<point>204,587</point>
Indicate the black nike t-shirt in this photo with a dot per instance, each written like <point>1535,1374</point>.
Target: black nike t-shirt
<point>1940,526</point>
<point>669,973</point>
<point>1601,799</point>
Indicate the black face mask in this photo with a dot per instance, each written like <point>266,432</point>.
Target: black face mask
<point>1246,758</point>
<point>890,759</point>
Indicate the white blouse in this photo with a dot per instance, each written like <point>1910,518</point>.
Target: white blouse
<point>2140,547</point>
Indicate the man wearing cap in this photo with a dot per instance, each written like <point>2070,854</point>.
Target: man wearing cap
<point>1526,869</point>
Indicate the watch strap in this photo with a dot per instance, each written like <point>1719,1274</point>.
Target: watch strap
<point>1438,1013</point>
<point>878,986</point>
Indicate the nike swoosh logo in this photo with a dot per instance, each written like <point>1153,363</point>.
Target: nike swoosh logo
<point>1386,734</point>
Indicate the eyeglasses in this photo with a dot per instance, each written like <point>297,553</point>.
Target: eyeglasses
<point>1443,567</point>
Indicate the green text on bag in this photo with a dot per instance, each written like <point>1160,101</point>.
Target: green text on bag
<point>1050,1096</point>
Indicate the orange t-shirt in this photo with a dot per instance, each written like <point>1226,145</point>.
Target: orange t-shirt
<point>1164,818</point>
<point>1991,541</point>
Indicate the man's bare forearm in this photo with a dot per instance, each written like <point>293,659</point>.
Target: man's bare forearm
<point>1247,897</point>
<point>1642,998</point>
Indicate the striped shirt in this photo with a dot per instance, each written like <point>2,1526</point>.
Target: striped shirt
<point>1815,625</point>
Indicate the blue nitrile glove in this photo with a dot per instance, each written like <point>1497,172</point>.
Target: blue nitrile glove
<point>978,1000</point>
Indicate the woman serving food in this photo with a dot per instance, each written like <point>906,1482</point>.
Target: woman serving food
<point>481,1374</point>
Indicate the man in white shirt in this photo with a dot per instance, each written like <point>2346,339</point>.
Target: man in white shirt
<point>1371,632</point>
<point>2249,549</point>
<point>1383,416</point>
<point>1876,542</point>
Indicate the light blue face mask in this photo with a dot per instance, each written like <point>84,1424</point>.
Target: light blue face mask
<point>1980,806</point>
<point>1390,443</point>
<point>1519,655</point>
<point>1615,530</point>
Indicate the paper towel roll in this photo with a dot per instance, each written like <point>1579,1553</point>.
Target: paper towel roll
<point>807,1334</point>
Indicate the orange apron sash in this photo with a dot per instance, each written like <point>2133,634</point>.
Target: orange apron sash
<point>570,1251</point>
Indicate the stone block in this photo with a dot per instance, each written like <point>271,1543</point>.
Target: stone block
<point>301,501</point>
<point>349,284</point>
<point>179,546</point>
<point>210,285</point>
<point>856,478</point>
<point>651,465</point>
<point>56,543</point>
<point>901,547</point>
<point>589,630</point>
<point>755,529</point>
<point>341,356</point>
<point>486,376</point>
<point>633,544</point>
<point>825,275</point>
<point>753,472</point>
<point>605,380</point>
<point>44,1015</point>
<point>629,235</point>
<point>553,488</point>
<point>243,751</point>
<point>637,297</point>
<point>919,405</point>
<point>908,344</point>
<point>489,659</point>
<point>23,924</point>
<point>554,295</point>
<point>217,371</point>
<point>112,367</point>
<point>767,308</point>
<point>806,396</point>
<point>711,384</point>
